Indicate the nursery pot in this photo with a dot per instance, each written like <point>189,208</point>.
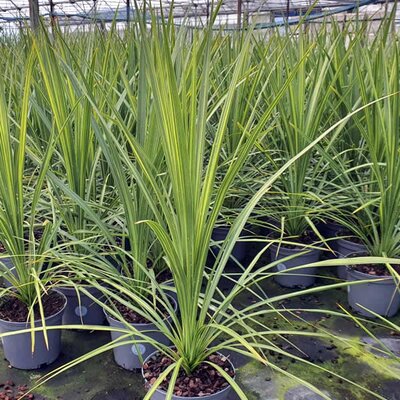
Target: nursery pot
<point>166,281</point>
<point>83,309</point>
<point>169,287</point>
<point>130,356</point>
<point>160,394</point>
<point>267,225</point>
<point>7,262</point>
<point>239,250</point>
<point>329,230</point>
<point>18,348</point>
<point>345,248</point>
<point>115,260</point>
<point>303,277</point>
<point>382,297</point>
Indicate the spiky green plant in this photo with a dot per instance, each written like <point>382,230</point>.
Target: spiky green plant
<point>184,192</point>
<point>303,112</point>
<point>22,189</point>
<point>373,185</point>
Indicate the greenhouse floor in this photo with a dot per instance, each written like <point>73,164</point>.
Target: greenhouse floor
<point>100,378</point>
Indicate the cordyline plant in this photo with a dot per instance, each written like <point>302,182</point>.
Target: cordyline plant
<point>186,199</point>
<point>225,51</point>
<point>25,237</point>
<point>187,208</point>
<point>186,203</point>
<point>373,186</point>
<point>77,158</point>
<point>187,218</point>
<point>133,119</point>
<point>303,113</point>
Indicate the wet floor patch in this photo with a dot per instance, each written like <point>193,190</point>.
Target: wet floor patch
<point>306,348</point>
<point>388,347</point>
<point>116,394</point>
<point>303,393</point>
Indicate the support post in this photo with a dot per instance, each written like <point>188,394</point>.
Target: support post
<point>34,14</point>
<point>239,14</point>
<point>52,17</point>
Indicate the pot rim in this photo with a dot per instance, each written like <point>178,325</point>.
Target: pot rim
<point>181,397</point>
<point>274,246</point>
<point>344,239</point>
<point>16,323</point>
<point>72,289</point>
<point>383,279</point>
<point>224,230</point>
<point>173,301</point>
<point>329,221</point>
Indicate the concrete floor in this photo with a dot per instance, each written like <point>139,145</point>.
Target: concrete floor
<point>348,352</point>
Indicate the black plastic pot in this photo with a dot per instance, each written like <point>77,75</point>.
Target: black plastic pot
<point>116,260</point>
<point>7,262</point>
<point>131,356</point>
<point>240,249</point>
<point>82,310</point>
<point>381,297</point>
<point>268,225</point>
<point>345,248</point>
<point>159,394</point>
<point>18,348</point>
<point>330,230</point>
<point>302,277</point>
<point>169,287</point>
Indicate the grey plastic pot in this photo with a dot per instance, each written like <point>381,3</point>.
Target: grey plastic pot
<point>382,297</point>
<point>82,310</point>
<point>8,263</point>
<point>344,249</point>
<point>302,277</point>
<point>162,395</point>
<point>130,356</point>
<point>18,348</point>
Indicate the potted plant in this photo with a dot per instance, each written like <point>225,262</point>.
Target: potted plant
<point>196,199</point>
<point>133,298</point>
<point>245,181</point>
<point>348,245</point>
<point>336,208</point>
<point>80,189</point>
<point>29,306</point>
<point>136,312</point>
<point>184,203</point>
<point>304,110</point>
<point>188,204</point>
<point>376,186</point>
